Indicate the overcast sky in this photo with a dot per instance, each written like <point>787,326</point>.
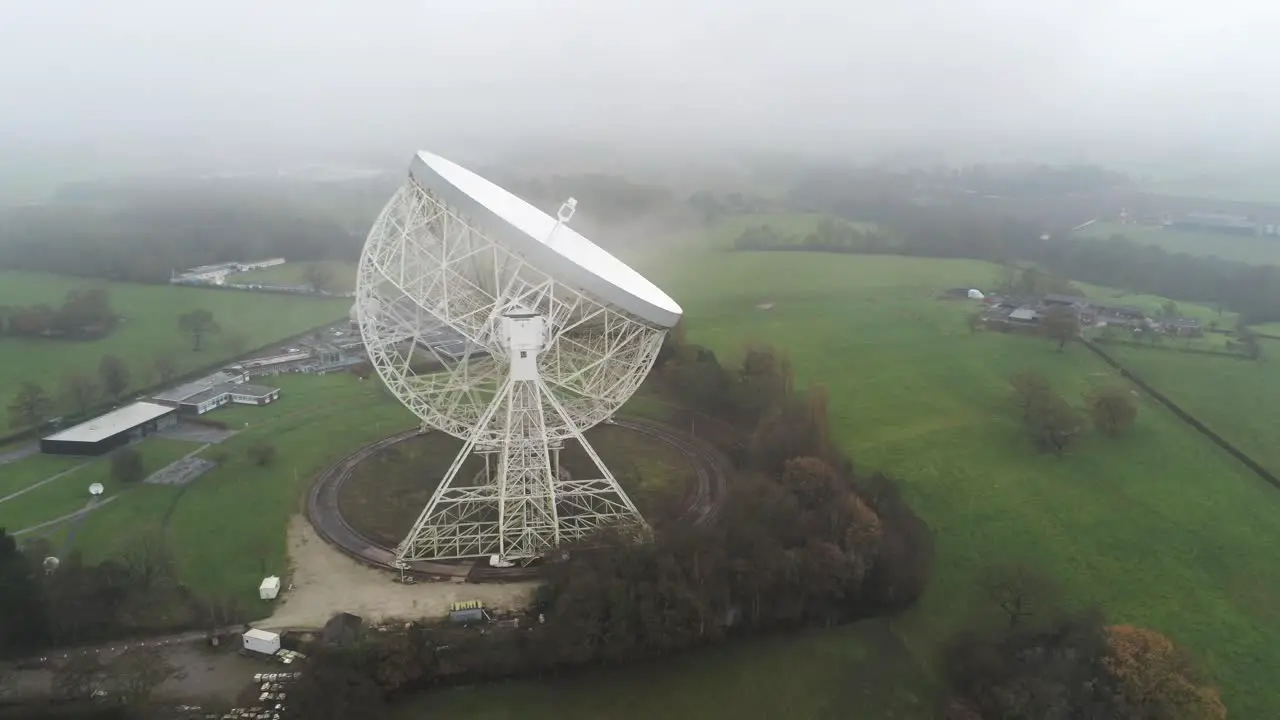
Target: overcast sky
<point>330,75</point>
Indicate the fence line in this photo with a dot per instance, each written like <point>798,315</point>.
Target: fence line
<point>1186,417</point>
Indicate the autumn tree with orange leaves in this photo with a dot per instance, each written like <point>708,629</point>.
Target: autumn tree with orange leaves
<point>1156,679</point>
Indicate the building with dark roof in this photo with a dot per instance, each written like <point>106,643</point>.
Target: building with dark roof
<point>219,395</point>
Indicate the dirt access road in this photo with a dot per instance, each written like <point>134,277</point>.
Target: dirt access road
<point>327,582</point>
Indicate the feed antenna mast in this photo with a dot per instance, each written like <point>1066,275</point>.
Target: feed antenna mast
<point>505,328</point>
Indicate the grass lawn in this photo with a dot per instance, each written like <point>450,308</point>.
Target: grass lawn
<point>1268,328</point>
<point>1259,250</point>
<point>387,492</point>
<point>860,671</point>
<point>15,476</point>
<point>1161,528</point>
<point>71,492</point>
<point>294,273</point>
<point>150,326</point>
<point>227,528</point>
<point>1235,398</point>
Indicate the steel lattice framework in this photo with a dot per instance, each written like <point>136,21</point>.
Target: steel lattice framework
<point>437,301</point>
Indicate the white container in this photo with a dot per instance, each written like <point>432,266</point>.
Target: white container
<point>269,588</point>
<point>261,641</point>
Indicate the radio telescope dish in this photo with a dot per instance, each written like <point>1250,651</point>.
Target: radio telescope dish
<point>95,489</point>
<point>502,326</point>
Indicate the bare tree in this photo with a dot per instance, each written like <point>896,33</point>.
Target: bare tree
<point>137,672</point>
<point>80,391</point>
<point>165,366</point>
<point>1062,325</point>
<point>78,677</point>
<point>261,454</point>
<point>114,374</point>
<point>126,466</point>
<point>1028,389</point>
<point>197,324</point>
<point>1112,408</point>
<point>147,560</point>
<point>1018,591</point>
<point>30,406</point>
<point>319,277</point>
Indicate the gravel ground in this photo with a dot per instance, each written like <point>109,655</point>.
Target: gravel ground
<point>205,675</point>
<point>326,582</point>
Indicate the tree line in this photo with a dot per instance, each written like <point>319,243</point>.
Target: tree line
<point>145,238</point>
<point>82,315</point>
<point>827,236</point>
<point>801,540</point>
<point>1035,658</point>
<point>132,593</point>
<point>1053,424</point>
<point>962,227</point>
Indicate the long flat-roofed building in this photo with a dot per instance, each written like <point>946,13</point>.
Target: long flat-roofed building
<point>107,432</point>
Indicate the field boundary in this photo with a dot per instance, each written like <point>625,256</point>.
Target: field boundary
<point>1172,348</point>
<point>1186,417</point>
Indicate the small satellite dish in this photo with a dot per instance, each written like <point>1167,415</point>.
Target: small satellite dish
<point>95,489</point>
<point>51,563</point>
<point>976,295</point>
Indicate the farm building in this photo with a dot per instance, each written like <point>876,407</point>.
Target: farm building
<point>1182,327</point>
<point>106,432</point>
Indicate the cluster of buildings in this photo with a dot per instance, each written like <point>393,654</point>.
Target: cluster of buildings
<point>335,349</point>
<point>217,274</point>
<point>1221,223</point>
<point>1005,313</point>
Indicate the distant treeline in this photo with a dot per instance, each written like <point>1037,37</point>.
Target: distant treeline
<point>146,241</point>
<point>958,228</point>
<point>142,230</point>
<point>828,236</point>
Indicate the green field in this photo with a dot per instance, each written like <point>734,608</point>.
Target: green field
<point>149,326</point>
<point>1258,250</point>
<point>1160,527</point>
<point>294,273</point>
<point>1235,398</point>
<point>861,671</point>
<point>228,526</point>
<point>71,491</point>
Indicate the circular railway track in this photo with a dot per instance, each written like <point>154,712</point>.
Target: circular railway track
<point>325,513</point>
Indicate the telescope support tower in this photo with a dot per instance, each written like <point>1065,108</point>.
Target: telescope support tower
<point>527,505</point>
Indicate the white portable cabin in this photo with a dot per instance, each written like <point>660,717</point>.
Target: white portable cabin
<point>269,588</point>
<point>261,641</point>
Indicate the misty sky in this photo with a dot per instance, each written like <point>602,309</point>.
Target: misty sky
<point>395,74</point>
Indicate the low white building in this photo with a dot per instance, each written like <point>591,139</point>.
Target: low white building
<point>269,588</point>
<point>111,430</point>
<point>261,641</point>
<point>260,264</point>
